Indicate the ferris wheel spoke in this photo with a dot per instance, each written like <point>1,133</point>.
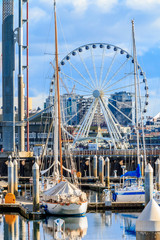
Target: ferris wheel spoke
<point>81,121</point>
<point>119,80</point>
<point>127,86</point>
<point>81,109</point>
<point>80,74</point>
<point>108,124</point>
<point>102,66</point>
<point>116,121</point>
<point>120,111</point>
<point>66,121</point>
<point>109,69</point>
<point>88,119</point>
<point>115,74</point>
<point>85,66</point>
<point>85,86</point>
<point>113,122</point>
<point>88,124</point>
<point>87,93</point>
<point>85,119</point>
<point>94,67</point>
<point>124,104</point>
<point>70,135</point>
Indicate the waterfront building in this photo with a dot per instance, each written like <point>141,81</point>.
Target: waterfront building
<point>123,102</point>
<point>74,107</point>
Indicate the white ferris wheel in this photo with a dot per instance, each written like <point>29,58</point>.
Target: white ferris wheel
<point>97,82</point>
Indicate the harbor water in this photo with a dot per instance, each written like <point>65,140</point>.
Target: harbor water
<point>106,225</point>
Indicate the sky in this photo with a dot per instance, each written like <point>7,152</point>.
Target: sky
<point>90,21</point>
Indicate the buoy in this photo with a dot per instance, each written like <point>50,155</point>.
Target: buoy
<point>10,198</point>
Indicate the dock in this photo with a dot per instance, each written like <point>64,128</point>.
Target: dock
<point>116,206</point>
<point>24,208</point>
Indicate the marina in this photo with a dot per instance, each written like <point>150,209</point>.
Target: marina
<point>86,164</point>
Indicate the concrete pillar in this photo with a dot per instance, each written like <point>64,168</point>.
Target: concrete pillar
<point>107,172</point>
<point>35,172</point>
<point>95,166</point>
<point>101,169</point>
<point>157,163</point>
<point>148,183</point>
<point>15,178</point>
<point>8,67</point>
<point>10,175</point>
<point>21,130</point>
<point>89,165</point>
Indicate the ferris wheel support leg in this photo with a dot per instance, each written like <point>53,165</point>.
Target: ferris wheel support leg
<point>108,125</point>
<point>83,124</point>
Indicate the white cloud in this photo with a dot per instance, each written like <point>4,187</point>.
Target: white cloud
<point>143,5</point>
<point>37,14</point>
<point>80,6</point>
<point>38,101</point>
<point>106,6</point>
<point>156,23</point>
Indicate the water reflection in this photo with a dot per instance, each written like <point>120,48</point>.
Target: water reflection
<point>129,224</point>
<point>75,227</point>
<point>36,230</point>
<point>108,218</point>
<point>104,225</point>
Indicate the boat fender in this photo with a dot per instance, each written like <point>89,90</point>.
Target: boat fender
<point>62,204</point>
<point>114,196</point>
<point>45,207</point>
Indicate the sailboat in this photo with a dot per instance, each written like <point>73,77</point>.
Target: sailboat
<point>133,189</point>
<point>64,198</point>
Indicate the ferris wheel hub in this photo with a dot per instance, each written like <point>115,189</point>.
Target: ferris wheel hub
<point>96,93</point>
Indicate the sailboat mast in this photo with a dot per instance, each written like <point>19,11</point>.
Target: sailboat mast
<point>135,83</point>
<point>58,91</point>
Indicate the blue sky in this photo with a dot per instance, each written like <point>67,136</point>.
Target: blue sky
<point>85,21</point>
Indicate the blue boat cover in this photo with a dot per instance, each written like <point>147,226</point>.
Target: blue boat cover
<point>136,173</point>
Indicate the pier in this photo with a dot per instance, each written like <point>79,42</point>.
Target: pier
<point>25,208</point>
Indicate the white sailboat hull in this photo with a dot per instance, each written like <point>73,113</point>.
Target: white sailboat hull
<point>72,209</point>
<point>130,196</point>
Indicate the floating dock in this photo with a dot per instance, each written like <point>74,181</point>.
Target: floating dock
<point>116,206</point>
<point>24,208</point>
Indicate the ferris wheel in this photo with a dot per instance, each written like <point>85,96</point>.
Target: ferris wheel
<point>97,86</point>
